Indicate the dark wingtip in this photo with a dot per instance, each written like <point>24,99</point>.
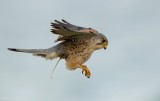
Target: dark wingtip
<point>64,21</point>
<point>52,30</point>
<point>13,49</point>
<point>57,21</point>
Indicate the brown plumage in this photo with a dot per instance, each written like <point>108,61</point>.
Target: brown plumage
<point>76,46</point>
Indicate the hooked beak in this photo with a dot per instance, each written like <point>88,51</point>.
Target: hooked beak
<point>105,45</point>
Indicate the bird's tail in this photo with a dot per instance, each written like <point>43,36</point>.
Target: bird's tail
<point>45,53</point>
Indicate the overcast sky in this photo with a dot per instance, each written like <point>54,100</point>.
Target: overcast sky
<point>129,70</point>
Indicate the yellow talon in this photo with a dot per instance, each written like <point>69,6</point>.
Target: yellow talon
<point>86,70</point>
<point>83,71</point>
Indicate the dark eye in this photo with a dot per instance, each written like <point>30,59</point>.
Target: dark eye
<point>104,41</point>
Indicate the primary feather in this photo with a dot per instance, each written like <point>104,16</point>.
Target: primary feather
<point>68,31</point>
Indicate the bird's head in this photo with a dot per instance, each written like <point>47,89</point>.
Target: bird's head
<point>101,41</point>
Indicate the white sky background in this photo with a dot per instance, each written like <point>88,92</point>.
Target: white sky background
<point>129,70</point>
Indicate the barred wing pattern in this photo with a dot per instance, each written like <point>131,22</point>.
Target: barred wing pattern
<point>67,30</point>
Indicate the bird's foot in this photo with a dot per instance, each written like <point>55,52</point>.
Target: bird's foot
<point>86,70</point>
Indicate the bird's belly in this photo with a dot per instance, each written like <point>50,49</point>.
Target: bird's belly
<point>78,54</point>
<point>85,57</point>
<point>73,61</point>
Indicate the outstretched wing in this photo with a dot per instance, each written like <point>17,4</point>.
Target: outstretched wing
<point>65,24</point>
<point>67,30</point>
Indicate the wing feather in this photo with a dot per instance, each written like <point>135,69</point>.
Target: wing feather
<point>65,24</point>
<point>67,30</point>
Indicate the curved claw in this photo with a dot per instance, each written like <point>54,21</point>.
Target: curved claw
<point>83,71</point>
<point>87,71</point>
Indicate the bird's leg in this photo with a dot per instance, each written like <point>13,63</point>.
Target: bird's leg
<point>86,70</point>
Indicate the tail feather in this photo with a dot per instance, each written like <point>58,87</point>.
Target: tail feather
<point>28,50</point>
<point>45,53</point>
<point>13,49</point>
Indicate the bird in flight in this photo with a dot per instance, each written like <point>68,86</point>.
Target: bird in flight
<point>76,45</point>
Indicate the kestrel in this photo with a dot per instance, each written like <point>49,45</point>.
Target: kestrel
<point>76,45</point>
